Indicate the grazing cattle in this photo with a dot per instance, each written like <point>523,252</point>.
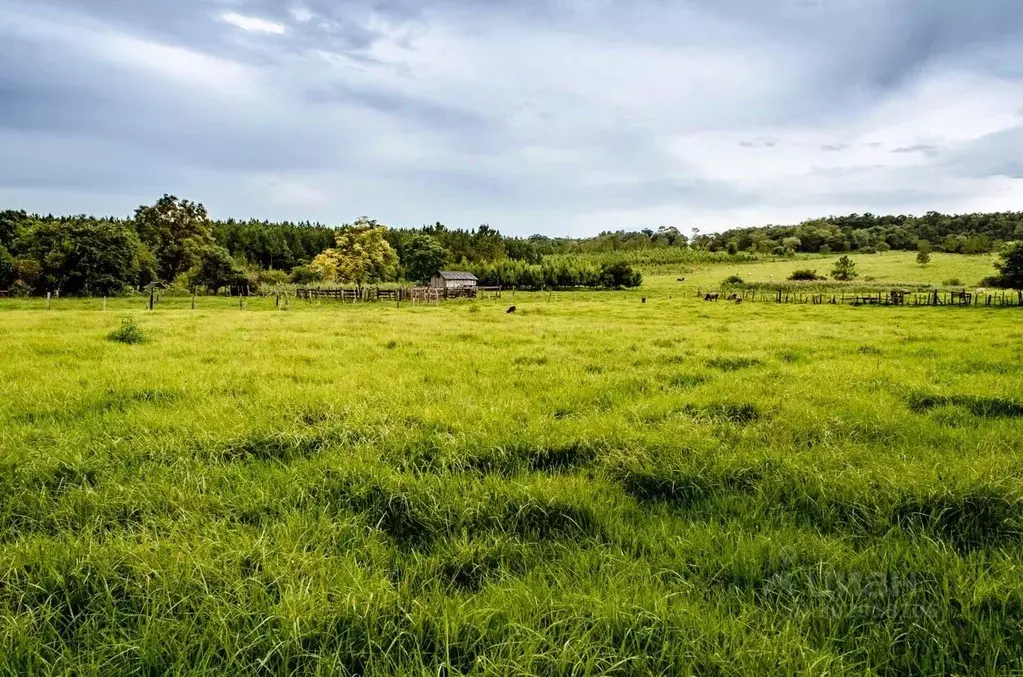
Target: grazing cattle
<point>732,297</point>
<point>712,297</point>
<point>644,299</point>
<point>510,310</point>
<point>738,299</point>
<point>680,279</point>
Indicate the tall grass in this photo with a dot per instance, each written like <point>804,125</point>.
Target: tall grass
<point>588,486</point>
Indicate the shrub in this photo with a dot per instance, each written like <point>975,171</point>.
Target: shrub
<point>732,280</point>
<point>20,289</point>
<point>953,282</point>
<point>805,275</point>
<point>1010,265</point>
<point>272,278</point>
<point>129,332</point>
<point>868,250</point>
<point>306,275</point>
<point>617,276</point>
<point>996,281</point>
<point>844,269</point>
<point>6,267</point>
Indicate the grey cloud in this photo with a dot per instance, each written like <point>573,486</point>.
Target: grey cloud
<point>924,148</point>
<point>470,131</point>
<point>997,154</point>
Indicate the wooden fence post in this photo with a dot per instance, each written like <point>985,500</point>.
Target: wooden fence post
<point>47,300</point>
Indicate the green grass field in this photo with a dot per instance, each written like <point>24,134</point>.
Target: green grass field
<point>591,485</point>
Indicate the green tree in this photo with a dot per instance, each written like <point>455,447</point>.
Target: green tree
<point>423,256</point>
<point>84,256</point>
<point>177,231</point>
<point>6,267</point>
<point>305,275</point>
<point>217,269</point>
<point>1010,265</point>
<point>923,254</point>
<point>361,256</point>
<point>12,223</point>
<point>844,269</point>
<point>617,276</point>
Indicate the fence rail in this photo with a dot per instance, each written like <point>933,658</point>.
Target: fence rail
<point>415,294</point>
<point>892,298</point>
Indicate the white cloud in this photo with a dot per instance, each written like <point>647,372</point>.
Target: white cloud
<point>565,117</point>
<point>301,14</point>
<point>253,24</point>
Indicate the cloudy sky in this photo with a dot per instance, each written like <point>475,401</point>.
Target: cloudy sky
<point>565,117</point>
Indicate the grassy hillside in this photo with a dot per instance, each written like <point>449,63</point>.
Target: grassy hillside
<point>591,485</point>
<point>894,267</point>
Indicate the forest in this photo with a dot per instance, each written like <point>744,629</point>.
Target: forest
<point>175,243</point>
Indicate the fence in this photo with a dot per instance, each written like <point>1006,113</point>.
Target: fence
<point>414,294</point>
<point>891,298</point>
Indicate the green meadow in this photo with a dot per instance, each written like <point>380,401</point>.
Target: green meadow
<point>591,485</point>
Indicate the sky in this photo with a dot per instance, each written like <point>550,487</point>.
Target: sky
<point>561,117</point>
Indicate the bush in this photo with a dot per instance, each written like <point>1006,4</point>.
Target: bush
<point>732,280</point>
<point>868,250</point>
<point>618,276</point>
<point>805,275</point>
<point>844,269</point>
<point>6,267</point>
<point>270,279</point>
<point>996,281</point>
<point>953,282</point>
<point>1010,265</point>
<point>306,275</point>
<point>129,332</point>
<point>20,289</point>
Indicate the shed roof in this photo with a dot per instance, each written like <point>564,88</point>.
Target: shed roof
<point>457,275</point>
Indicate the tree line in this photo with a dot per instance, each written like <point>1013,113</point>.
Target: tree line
<point>174,242</point>
<point>869,233</point>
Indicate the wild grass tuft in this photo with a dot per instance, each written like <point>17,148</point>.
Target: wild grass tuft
<point>129,332</point>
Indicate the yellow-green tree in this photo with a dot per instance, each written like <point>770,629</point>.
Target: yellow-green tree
<point>361,255</point>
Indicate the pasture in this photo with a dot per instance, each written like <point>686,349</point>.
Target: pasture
<point>591,485</point>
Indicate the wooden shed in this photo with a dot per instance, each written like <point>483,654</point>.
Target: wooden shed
<point>449,279</point>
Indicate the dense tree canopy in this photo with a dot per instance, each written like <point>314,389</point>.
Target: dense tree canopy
<point>84,256</point>
<point>422,257</point>
<point>1010,266</point>
<point>217,269</point>
<point>178,243</point>
<point>960,234</point>
<point>177,232</point>
<point>6,267</point>
<point>360,256</point>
